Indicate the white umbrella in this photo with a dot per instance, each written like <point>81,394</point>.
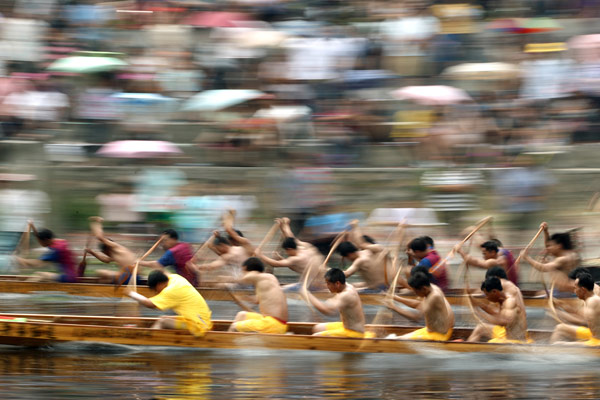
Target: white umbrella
<point>139,149</point>
<point>214,100</point>
<point>434,95</point>
<point>483,71</point>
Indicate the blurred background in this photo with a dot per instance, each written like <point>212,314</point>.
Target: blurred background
<point>159,114</point>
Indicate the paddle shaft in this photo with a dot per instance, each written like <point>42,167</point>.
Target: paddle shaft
<point>539,232</point>
<point>268,236</point>
<point>134,273</point>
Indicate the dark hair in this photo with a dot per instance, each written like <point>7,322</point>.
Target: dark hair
<point>221,240</point>
<point>334,275</point>
<point>579,270</point>
<point>419,280</point>
<point>420,269</point>
<point>254,264</point>
<point>564,239</point>
<point>289,243</point>
<point>498,242</point>
<point>346,248</point>
<point>369,239</point>
<point>104,248</point>
<point>171,233</point>
<point>428,240</point>
<point>418,244</point>
<point>45,234</point>
<point>496,271</point>
<point>155,277</point>
<point>585,281</point>
<point>490,245</point>
<point>491,283</point>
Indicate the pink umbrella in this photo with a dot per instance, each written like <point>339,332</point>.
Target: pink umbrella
<point>215,19</point>
<point>139,149</point>
<point>434,95</point>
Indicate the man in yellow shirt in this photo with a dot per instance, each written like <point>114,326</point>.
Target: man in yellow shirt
<point>175,292</point>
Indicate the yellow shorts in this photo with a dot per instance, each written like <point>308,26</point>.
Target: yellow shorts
<point>584,333</point>
<point>255,322</point>
<point>196,328</point>
<point>424,334</point>
<point>336,329</point>
<point>499,336</point>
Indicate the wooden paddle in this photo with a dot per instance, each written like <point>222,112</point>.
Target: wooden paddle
<point>237,300</point>
<point>477,227</point>
<point>521,254</point>
<point>267,237</point>
<point>83,263</point>
<point>23,241</point>
<point>189,264</point>
<point>468,293</point>
<point>554,314</point>
<point>338,239</point>
<point>133,279</point>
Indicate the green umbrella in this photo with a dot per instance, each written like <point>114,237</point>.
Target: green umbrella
<point>86,64</point>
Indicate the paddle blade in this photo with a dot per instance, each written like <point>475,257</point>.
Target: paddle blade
<point>81,268</point>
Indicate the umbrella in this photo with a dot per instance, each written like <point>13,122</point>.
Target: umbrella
<point>86,64</point>
<point>434,95</point>
<point>482,71</point>
<point>524,25</point>
<point>138,149</point>
<point>215,19</point>
<point>214,100</point>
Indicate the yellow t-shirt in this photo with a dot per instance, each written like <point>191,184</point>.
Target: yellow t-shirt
<point>182,298</point>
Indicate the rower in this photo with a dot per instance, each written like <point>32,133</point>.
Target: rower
<point>177,254</point>
<point>367,259</point>
<point>346,301</point>
<point>492,256</point>
<point>505,325</point>
<point>302,257</point>
<point>58,253</point>
<point>507,285</point>
<point>423,250</point>
<point>111,251</point>
<point>431,304</point>
<point>176,293</point>
<point>229,261</point>
<point>583,323</point>
<point>270,298</point>
<point>559,246</point>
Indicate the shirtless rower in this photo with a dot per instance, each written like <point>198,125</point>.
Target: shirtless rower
<point>229,262</point>
<point>432,304</point>
<point>492,257</point>
<point>565,259</point>
<point>505,325</point>
<point>58,253</point>
<point>271,301</point>
<point>346,301</point>
<point>368,258</point>
<point>583,322</point>
<point>111,252</point>
<point>302,257</point>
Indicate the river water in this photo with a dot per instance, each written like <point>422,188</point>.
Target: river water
<point>101,371</point>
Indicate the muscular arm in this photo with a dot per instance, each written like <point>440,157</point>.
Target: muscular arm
<point>410,314</point>
<point>228,225</point>
<point>409,302</point>
<point>505,317</point>
<point>31,262</point>
<point>152,264</point>
<point>218,263</point>
<point>330,307</point>
<point>99,255</point>
<point>555,264</point>
<point>353,268</point>
<point>286,262</point>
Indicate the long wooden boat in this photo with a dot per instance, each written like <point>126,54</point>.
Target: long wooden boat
<point>42,330</point>
<point>19,284</point>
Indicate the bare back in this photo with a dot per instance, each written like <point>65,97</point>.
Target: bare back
<point>121,255</point>
<point>438,313</point>
<point>371,269</point>
<point>591,313</point>
<point>513,310</point>
<point>271,299</point>
<point>350,308</point>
